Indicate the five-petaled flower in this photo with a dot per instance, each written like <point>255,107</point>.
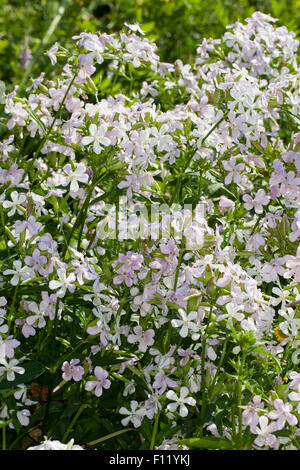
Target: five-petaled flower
<point>101,381</point>
<point>144,338</point>
<point>136,414</point>
<point>73,176</point>
<point>97,137</point>
<point>180,401</point>
<point>64,283</point>
<point>187,324</point>
<point>11,368</point>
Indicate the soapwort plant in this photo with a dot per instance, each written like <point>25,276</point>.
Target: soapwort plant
<point>150,265</point>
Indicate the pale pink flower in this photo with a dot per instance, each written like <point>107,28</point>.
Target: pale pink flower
<point>144,338</point>
<point>282,414</point>
<point>293,263</point>
<point>295,376</point>
<point>234,170</point>
<point>250,414</point>
<point>162,382</point>
<point>72,371</point>
<point>100,382</point>
<point>264,433</point>
<point>32,226</point>
<point>258,202</point>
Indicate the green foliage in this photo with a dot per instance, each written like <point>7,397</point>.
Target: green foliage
<point>177,26</point>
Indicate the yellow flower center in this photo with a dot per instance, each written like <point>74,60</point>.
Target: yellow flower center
<point>278,334</point>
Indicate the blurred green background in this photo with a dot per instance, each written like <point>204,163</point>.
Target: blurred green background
<point>28,28</point>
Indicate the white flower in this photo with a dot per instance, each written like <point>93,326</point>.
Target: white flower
<point>281,296</point>
<point>23,417</point>
<point>97,137</point>
<point>10,368</point>
<point>292,324</point>
<point>3,351</point>
<point>135,28</point>
<point>163,141</point>
<point>51,53</point>
<point>187,323</point>
<point>19,273</point>
<point>21,394</point>
<point>135,415</point>
<point>293,263</point>
<point>233,312</point>
<point>180,401</point>
<point>79,174</point>
<point>17,200</point>
<point>64,283</point>
<point>47,444</point>
<point>295,396</point>
<point>40,313</point>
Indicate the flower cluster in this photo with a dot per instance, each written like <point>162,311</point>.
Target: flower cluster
<point>193,324</point>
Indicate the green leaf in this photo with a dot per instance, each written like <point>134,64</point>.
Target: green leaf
<point>261,350</point>
<point>210,442</point>
<point>32,371</point>
<point>213,188</point>
<point>172,305</point>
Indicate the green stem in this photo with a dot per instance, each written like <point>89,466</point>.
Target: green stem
<point>3,225</point>
<point>109,436</point>
<point>12,307</point>
<point>219,367</point>
<point>83,219</point>
<point>179,264</point>
<point>83,210</point>
<point>70,427</point>
<point>4,437</point>
<point>155,428</point>
<point>54,324</point>
<point>233,436</point>
<point>256,224</point>
<point>215,126</point>
<point>175,195</point>
<point>239,402</point>
<point>114,80</point>
<point>117,223</point>
<point>289,112</point>
<point>203,388</point>
<point>239,413</point>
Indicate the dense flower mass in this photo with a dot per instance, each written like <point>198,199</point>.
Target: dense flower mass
<point>150,258</point>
